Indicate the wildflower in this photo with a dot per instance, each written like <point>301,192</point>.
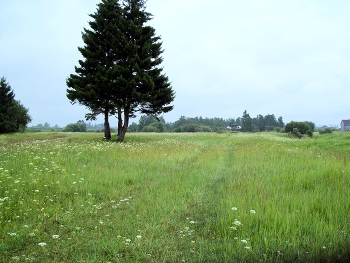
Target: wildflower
<point>252,212</point>
<point>42,244</point>
<point>12,234</point>
<point>237,223</point>
<point>244,241</point>
<point>233,227</point>
<point>138,236</point>
<point>192,222</point>
<point>128,240</point>
<point>55,236</point>
<point>247,247</point>
<point>234,208</point>
<point>31,234</point>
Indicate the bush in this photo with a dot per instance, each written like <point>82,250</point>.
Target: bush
<point>192,127</point>
<point>206,129</point>
<point>296,133</point>
<point>327,130</point>
<point>149,128</point>
<point>298,129</point>
<point>80,126</point>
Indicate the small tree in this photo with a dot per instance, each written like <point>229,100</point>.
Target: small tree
<point>298,128</point>
<point>14,116</point>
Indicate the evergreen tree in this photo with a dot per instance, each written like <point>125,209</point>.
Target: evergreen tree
<point>260,122</point>
<point>280,122</point>
<point>14,116</point>
<point>94,85</point>
<point>144,88</point>
<point>120,74</point>
<point>247,122</point>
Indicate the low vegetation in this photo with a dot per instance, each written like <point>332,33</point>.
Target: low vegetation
<point>179,197</point>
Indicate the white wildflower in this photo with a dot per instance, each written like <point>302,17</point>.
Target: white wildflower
<point>234,208</point>
<point>42,244</point>
<point>237,223</point>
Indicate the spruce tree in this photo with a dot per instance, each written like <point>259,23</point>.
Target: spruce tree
<point>120,74</point>
<point>14,116</point>
<point>94,84</point>
<point>144,88</point>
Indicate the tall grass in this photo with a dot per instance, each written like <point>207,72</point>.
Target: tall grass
<point>174,198</point>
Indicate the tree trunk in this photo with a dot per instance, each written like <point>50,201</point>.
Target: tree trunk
<point>120,122</point>
<point>123,128</point>
<point>107,128</point>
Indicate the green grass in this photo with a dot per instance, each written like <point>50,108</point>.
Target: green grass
<point>169,198</point>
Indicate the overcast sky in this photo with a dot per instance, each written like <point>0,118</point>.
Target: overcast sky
<point>288,58</point>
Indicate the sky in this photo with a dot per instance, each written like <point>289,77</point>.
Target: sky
<point>290,58</point>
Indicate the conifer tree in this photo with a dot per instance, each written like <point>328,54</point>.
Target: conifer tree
<point>14,116</point>
<point>121,73</point>
<point>94,84</point>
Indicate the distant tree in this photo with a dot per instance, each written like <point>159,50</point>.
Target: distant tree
<point>149,128</point>
<point>120,74</point>
<point>133,127</point>
<point>80,126</point>
<point>239,121</point>
<point>247,122</point>
<point>280,122</point>
<point>260,122</point>
<point>14,116</point>
<point>179,122</point>
<point>270,120</point>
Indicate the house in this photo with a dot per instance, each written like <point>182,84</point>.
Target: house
<point>345,125</point>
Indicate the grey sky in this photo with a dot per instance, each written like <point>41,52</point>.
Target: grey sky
<point>288,58</point>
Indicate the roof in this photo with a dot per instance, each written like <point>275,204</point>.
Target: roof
<point>345,122</point>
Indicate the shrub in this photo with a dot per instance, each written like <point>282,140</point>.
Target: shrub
<point>149,128</point>
<point>327,130</point>
<point>298,129</point>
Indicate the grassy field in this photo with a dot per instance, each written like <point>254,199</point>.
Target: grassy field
<point>261,197</point>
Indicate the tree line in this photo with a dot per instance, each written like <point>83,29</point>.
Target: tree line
<point>199,124</point>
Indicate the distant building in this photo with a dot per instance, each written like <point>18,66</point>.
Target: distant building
<point>345,125</point>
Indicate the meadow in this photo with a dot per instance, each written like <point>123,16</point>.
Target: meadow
<point>203,197</point>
